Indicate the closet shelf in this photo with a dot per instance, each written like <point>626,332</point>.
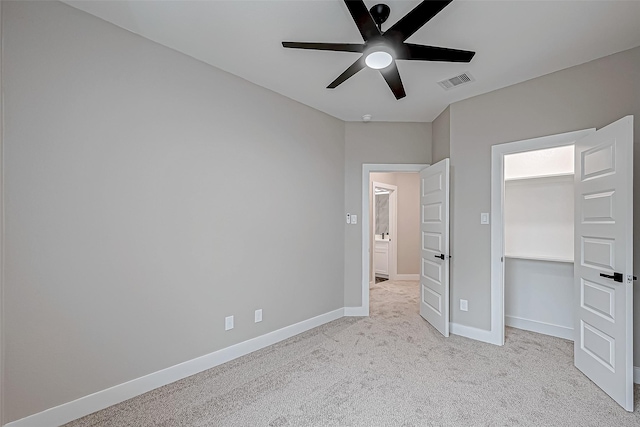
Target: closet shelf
<point>527,178</point>
<point>540,258</point>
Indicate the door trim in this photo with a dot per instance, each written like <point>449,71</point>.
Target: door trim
<point>367,168</point>
<point>498,151</point>
<point>393,228</point>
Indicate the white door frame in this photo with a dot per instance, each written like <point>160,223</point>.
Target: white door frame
<point>496,335</point>
<point>366,228</point>
<point>393,229</point>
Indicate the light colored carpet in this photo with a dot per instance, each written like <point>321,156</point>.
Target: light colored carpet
<point>391,369</point>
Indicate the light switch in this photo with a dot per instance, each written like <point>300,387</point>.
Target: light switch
<point>484,218</point>
<point>354,219</point>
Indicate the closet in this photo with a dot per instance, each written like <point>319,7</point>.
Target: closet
<point>538,227</point>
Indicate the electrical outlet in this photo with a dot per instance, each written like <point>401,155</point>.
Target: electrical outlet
<point>228,323</point>
<point>258,315</point>
<point>464,305</point>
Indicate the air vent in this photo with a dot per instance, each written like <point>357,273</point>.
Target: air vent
<point>463,78</point>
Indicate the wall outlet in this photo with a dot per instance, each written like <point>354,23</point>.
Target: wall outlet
<point>228,323</point>
<point>258,315</point>
<point>464,305</point>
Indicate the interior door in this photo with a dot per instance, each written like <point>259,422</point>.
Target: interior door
<point>434,227</point>
<point>603,268</point>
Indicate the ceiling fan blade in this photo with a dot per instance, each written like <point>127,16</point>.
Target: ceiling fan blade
<point>354,68</point>
<point>362,18</point>
<point>392,77</point>
<point>418,52</point>
<point>419,16</point>
<point>338,47</point>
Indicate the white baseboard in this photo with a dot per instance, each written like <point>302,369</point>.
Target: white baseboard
<point>94,402</point>
<point>355,311</point>
<point>636,375</point>
<point>473,333</point>
<point>540,327</point>
<point>407,277</point>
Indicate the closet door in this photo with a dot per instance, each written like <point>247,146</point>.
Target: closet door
<point>434,230</point>
<point>603,268</point>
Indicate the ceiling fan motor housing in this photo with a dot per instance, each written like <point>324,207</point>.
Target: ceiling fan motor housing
<point>380,13</point>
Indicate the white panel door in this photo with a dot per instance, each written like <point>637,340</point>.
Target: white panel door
<point>434,230</point>
<point>603,268</point>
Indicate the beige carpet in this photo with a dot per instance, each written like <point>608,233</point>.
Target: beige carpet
<point>391,369</point>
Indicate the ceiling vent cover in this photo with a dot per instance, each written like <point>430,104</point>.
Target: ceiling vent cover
<point>462,79</point>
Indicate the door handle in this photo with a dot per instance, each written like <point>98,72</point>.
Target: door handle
<point>441,256</point>
<point>617,277</point>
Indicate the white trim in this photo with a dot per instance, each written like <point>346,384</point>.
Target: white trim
<point>539,327</point>
<point>94,402</point>
<point>2,230</point>
<point>497,211</point>
<point>366,170</point>
<point>473,333</point>
<point>407,276</point>
<point>355,311</point>
<point>636,375</point>
<point>392,264</point>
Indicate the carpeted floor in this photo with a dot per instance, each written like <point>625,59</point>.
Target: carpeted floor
<point>390,369</point>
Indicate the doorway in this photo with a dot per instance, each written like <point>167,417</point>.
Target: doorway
<point>384,229</point>
<point>498,241</point>
<point>366,222</point>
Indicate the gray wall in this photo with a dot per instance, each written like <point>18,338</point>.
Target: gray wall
<point>539,291</point>
<point>442,136</point>
<point>408,200</point>
<point>148,196</point>
<point>589,95</point>
<point>375,142</point>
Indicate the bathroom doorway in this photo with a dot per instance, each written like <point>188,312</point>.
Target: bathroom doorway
<point>384,259</point>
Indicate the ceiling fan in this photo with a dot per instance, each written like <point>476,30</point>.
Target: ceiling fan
<point>380,50</point>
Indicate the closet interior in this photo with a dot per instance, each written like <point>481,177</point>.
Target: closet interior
<point>539,244</point>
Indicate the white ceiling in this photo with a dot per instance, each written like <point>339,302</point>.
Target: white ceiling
<point>514,41</point>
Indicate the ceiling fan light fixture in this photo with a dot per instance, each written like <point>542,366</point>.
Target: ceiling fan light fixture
<point>378,56</point>
<point>378,59</point>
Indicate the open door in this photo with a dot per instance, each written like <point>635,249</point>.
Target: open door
<point>603,268</point>
<point>434,227</point>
